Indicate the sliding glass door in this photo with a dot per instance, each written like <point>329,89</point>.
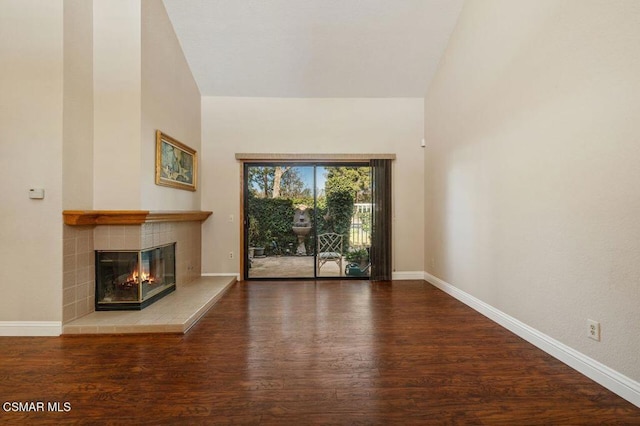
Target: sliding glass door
<point>279,221</point>
<point>343,211</point>
<point>307,220</point>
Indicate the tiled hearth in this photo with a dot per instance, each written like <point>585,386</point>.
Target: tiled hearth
<point>87,231</point>
<point>174,313</point>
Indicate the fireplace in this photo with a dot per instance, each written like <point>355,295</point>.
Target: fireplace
<point>134,279</point>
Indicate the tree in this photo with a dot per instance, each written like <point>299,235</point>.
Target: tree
<point>276,182</point>
<point>292,186</point>
<point>260,183</point>
<point>355,180</point>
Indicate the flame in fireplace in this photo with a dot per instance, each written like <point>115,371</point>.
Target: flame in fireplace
<point>137,278</point>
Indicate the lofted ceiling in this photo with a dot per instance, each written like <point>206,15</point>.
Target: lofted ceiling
<point>313,48</point>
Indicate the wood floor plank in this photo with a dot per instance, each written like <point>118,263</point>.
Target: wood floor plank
<point>308,352</point>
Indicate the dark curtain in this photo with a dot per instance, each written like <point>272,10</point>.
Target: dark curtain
<point>381,229</point>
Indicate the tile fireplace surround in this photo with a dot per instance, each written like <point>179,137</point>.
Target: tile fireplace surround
<point>86,231</point>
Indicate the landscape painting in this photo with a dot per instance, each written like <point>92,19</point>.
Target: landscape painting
<point>176,163</point>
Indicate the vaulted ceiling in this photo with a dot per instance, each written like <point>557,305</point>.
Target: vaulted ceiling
<point>313,48</point>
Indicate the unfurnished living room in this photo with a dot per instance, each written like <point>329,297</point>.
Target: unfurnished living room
<point>320,212</point>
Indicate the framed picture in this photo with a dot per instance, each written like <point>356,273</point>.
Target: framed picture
<point>176,163</point>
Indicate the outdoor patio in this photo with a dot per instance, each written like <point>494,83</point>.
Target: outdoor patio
<point>292,266</point>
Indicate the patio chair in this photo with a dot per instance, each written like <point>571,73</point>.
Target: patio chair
<point>329,249</point>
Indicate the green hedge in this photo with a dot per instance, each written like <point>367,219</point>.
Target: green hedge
<point>271,220</point>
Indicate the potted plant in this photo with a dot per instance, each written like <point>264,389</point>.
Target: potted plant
<point>265,243</point>
<point>255,250</point>
<point>358,256</point>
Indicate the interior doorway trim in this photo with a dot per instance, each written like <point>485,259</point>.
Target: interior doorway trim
<point>251,158</point>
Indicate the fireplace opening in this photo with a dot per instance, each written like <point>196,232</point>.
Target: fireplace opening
<point>133,279</point>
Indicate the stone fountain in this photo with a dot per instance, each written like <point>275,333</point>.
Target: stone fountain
<point>301,227</point>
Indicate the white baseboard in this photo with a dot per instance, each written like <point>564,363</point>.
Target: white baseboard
<point>617,383</point>
<point>225,274</point>
<point>408,275</point>
<point>30,328</point>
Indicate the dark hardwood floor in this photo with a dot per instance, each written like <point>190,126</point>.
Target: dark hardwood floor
<point>297,353</point>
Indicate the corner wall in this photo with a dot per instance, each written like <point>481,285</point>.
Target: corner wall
<point>162,95</point>
<point>311,125</point>
<point>117,104</point>
<point>141,83</point>
<point>531,169</point>
<point>170,103</point>
<point>77,166</point>
<point>78,283</point>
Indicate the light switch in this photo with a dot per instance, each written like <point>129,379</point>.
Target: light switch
<point>36,193</point>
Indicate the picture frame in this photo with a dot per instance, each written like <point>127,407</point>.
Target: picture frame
<point>176,163</point>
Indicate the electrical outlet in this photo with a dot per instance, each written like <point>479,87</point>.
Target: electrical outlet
<point>593,330</point>
<point>230,255</point>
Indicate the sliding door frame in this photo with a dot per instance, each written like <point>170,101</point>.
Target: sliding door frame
<point>258,159</point>
<point>245,216</point>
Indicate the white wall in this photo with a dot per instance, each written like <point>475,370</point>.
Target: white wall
<point>170,103</point>
<point>532,195</point>
<point>31,88</point>
<point>273,125</point>
<point>77,168</point>
<point>70,120</point>
<point>141,83</point>
<point>117,104</point>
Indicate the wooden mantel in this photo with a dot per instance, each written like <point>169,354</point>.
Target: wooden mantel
<point>130,217</point>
